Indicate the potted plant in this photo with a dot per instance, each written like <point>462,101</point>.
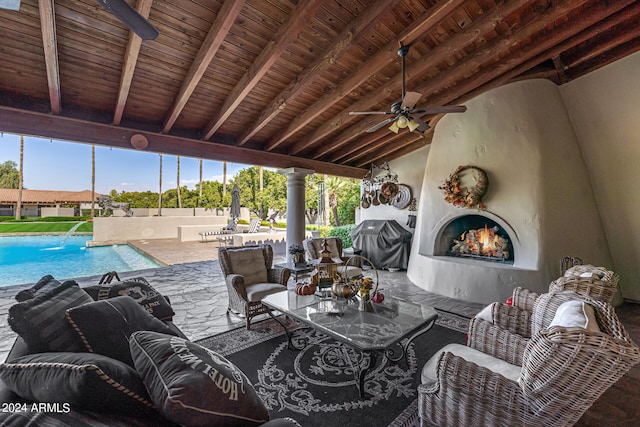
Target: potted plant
<point>297,254</point>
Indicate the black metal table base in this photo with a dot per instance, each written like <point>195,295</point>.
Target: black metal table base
<point>394,354</point>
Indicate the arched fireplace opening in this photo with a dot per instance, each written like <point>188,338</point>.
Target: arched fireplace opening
<point>475,237</point>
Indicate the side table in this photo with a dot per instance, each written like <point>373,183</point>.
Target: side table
<point>297,271</point>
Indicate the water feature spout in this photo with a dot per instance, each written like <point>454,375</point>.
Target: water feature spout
<point>70,232</point>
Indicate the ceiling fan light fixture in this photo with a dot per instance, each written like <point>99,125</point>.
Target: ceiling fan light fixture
<point>402,122</point>
<point>394,127</point>
<point>413,125</point>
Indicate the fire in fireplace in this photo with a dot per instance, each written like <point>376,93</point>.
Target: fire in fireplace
<point>485,243</point>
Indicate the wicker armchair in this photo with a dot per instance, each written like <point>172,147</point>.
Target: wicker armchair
<point>564,370</point>
<point>249,276</point>
<point>313,247</point>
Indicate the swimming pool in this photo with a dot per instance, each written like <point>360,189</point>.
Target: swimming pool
<point>25,259</point>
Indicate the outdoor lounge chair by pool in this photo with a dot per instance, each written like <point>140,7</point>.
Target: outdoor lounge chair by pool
<point>222,234</point>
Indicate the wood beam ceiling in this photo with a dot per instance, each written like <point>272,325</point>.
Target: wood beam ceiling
<point>50,45</point>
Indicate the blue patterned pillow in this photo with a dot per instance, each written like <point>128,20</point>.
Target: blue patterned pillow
<point>41,321</point>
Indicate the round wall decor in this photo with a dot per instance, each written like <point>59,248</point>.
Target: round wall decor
<point>403,198</point>
<point>139,141</point>
<point>466,187</point>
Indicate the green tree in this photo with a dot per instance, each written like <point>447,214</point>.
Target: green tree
<point>273,195</point>
<point>9,175</point>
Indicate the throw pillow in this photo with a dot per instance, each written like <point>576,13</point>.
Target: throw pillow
<point>45,284</point>
<point>138,289</point>
<point>41,322</point>
<point>576,313</point>
<point>194,386</point>
<point>250,263</point>
<point>78,381</point>
<point>486,313</point>
<point>104,326</point>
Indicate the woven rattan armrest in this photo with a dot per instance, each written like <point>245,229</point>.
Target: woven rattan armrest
<point>278,275</point>
<point>514,319</point>
<point>495,341</point>
<point>524,298</point>
<point>236,282</point>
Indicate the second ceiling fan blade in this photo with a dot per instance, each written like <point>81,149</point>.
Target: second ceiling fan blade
<point>442,109</point>
<point>381,124</point>
<point>131,18</point>
<point>410,100</point>
<point>356,113</point>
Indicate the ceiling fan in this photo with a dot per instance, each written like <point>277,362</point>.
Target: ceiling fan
<point>131,18</point>
<point>404,111</point>
<point>120,8</point>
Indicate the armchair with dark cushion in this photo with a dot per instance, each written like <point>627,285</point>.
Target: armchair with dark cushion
<point>250,276</point>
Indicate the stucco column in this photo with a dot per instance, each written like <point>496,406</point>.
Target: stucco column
<point>295,205</point>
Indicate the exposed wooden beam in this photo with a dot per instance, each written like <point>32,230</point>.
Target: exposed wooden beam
<point>606,58</point>
<point>412,140</point>
<point>437,55</point>
<point>130,59</point>
<point>269,55</point>
<point>366,140</point>
<point>560,68</point>
<point>362,149</point>
<point>601,17</point>
<point>218,31</point>
<point>50,45</point>
<point>24,122</point>
<point>607,41</point>
<point>422,25</point>
<point>327,59</point>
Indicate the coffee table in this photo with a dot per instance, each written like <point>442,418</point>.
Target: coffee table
<point>382,330</point>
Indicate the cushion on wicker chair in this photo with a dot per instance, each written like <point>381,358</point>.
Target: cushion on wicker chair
<point>252,264</point>
<point>486,313</point>
<point>507,370</point>
<point>576,314</point>
<point>257,291</point>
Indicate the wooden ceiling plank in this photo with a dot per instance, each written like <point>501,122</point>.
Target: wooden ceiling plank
<point>602,17</point>
<point>362,148</point>
<point>606,58</point>
<point>216,35</point>
<point>143,7</point>
<point>285,35</point>
<point>456,43</point>
<point>50,44</point>
<point>310,74</point>
<point>481,56</point>
<point>24,122</point>
<point>420,26</point>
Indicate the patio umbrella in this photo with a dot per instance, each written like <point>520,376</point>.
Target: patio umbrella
<point>235,202</point>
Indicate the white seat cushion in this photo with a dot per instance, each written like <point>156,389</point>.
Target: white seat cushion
<point>507,370</point>
<point>257,291</point>
<point>486,313</point>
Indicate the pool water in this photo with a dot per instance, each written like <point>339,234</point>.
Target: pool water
<point>25,259</point>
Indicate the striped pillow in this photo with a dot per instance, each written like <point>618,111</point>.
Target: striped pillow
<point>78,381</point>
<point>42,323</point>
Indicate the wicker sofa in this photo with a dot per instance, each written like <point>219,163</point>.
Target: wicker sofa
<point>114,362</point>
<point>552,381</point>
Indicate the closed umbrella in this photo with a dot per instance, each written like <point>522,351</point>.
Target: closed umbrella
<point>235,202</point>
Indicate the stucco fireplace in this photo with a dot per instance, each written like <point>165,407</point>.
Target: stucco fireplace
<point>539,196</point>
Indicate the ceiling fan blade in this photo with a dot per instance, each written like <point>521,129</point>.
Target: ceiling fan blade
<point>381,124</point>
<point>355,113</point>
<point>10,4</point>
<point>130,18</point>
<point>441,109</point>
<point>423,125</point>
<point>410,100</point>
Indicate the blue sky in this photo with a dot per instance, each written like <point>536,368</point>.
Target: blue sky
<point>58,165</point>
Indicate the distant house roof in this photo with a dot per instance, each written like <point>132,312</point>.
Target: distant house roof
<point>10,195</point>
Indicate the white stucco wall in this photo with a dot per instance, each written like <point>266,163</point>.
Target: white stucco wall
<point>521,135</point>
<point>410,170</point>
<point>604,107</point>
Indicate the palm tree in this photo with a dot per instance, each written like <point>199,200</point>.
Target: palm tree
<point>332,185</point>
<point>224,179</point>
<point>178,179</point>
<point>93,178</point>
<point>325,211</point>
<point>200,189</point>
<point>19,201</point>
<point>160,189</point>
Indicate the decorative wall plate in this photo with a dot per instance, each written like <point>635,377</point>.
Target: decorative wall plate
<point>139,141</point>
<point>403,198</point>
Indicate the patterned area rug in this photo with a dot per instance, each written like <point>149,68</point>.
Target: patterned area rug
<point>317,387</point>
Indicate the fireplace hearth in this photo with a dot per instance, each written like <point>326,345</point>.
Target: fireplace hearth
<point>475,237</point>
